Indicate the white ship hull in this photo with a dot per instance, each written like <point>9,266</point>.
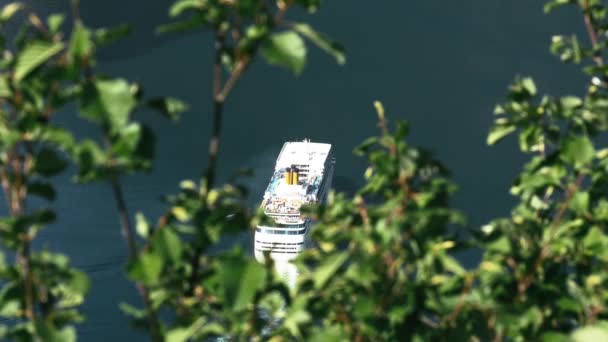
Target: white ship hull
<point>290,235</point>
<point>280,248</point>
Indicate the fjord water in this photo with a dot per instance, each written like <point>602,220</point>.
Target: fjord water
<point>440,65</point>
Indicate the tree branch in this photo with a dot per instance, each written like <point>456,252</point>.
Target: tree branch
<point>125,222</point>
<point>544,253</point>
<point>218,108</point>
<point>127,232</point>
<point>597,58</point>
<point>232,80</point>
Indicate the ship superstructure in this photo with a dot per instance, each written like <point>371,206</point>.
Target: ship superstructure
<point>302,175</point>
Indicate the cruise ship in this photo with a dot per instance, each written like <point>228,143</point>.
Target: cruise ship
<point>302,175</point>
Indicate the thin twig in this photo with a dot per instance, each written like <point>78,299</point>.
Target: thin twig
<point>17,209</point>
<point>214,142</point>
<point>127,232</point>
<point>234,77</point>
<point>6,187</point>
<point>76,11</point>
<point>597,57</point>
<point>14,194</point>
<point>461,300</point>
<point>218,107</point>
<point>572,189</point>
<point>125,222</point>
<point>28,281</point>
<point>283,7</point>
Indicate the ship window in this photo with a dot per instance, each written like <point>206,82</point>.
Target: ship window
<point>281,231</point>
<point>291,225</point>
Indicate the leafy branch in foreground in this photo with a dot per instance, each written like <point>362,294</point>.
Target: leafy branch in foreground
<point>383,269</point>
<point>126,146</point>
<point>544,268</point>
<point>241,30</point>
<point>200,288</point>
<point>40,292</point>
<point>234,294</point>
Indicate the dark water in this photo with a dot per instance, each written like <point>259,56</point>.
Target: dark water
<point>442,65</point>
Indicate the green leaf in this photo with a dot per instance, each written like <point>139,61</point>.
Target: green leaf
<point>79,282</point>
<point>41,189</point>
<point>132,311</point>
<point>80,44</point>
<point>529,138</point>
<point>48,333</point>
<point>55,21</point>
<point>552,336</point>
<point>180,213</point>
<point>580,202</point>
<point>141,225</point>
<point>33,55</point>
<point>187,25</point>
<point>577,150</point>
<point>497,132</point>
<point>108,35</point>
<point>323,42</point>
<point>328,268</point>
<point>528,84</point>
<point>48,162</point>
<point>600,212</point>
<point>168,244</point>
<point>569,305</point>
<point>10,301</point>
<point>59,137</point>
<point>168,106</point>
<point>178,334</point>
<point>212,329</point>
<point>310,5</point>
<point>126,142</point>
<point>108,102</point>
<point>249,8</point>
<point>333,333</point>
<point>5,89</point>
<point>452,265</point>
<point>286,49</point>
<point>146,268</point>
<point>252,279</point>
<point>590,333</point>
<point>500,245</point>
<point>240,278</point>
<point>364,147</point>
<point>364,307</point>
<point>571,102</point>
<point>595,241</point>
<point>146,147</point>
<point>553,4</point>
<point>72,292</point>
<point>183,5</point>
<point>40,218</point>
<point>9,10</point>
<point>90,160</point>
<point>297,315</point>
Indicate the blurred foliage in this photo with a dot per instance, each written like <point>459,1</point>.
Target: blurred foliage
<point>384,265</point>
<point>40,293</point>
<point>244,27</point>
<point>384,268</point>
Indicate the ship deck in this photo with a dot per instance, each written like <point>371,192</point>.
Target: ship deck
<point>283,200</point>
